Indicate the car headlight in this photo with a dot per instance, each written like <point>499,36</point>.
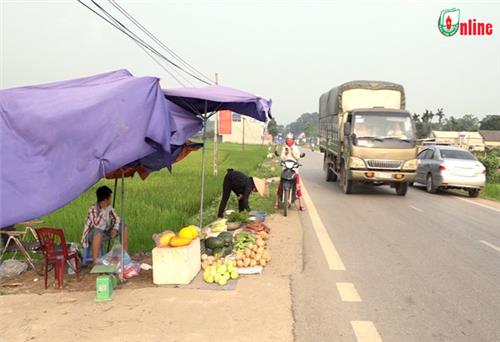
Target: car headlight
<point>411,164</point>
<point>356,163</point>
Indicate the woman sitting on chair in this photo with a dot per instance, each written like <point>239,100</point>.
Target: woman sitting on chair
<point>102,223</point>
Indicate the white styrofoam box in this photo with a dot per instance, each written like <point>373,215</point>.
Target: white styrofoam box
<point>176,265</point>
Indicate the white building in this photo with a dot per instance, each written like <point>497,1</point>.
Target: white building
<point>255,131</point>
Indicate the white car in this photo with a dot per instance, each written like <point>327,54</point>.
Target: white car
<point>446,167</point>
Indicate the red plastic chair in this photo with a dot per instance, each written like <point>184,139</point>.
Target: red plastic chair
<point>55,252</point>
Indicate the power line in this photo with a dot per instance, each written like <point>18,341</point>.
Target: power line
<point>157,40</point>
<point>125,30</point>
<point>140,41</point>
<point>139,44</point>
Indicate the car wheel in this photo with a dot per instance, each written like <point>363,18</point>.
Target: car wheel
<point>429,184</point>
<point>474,193</point>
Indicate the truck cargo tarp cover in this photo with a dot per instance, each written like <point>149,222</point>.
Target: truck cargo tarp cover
<point>335,94</point>
<point>59,139</point>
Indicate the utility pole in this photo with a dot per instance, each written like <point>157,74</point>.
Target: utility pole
<point>216,134</point>
<point>243,134</point>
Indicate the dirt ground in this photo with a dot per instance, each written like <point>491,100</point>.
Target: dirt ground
<point>31,282</point>
<point>258,310</point>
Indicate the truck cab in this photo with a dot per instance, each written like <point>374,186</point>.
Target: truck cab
<point>379,147</point>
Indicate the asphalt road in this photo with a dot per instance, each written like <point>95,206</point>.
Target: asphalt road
<point>417,268</point>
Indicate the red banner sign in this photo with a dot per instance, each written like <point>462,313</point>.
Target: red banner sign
<point>225,122</point>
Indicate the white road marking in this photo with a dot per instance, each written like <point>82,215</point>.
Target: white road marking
<point>490,245</point>
<point>417,209</point>
<point>476,203</point>
<point>348,292</point>
<point>329,250</point>
<point>365,331</point>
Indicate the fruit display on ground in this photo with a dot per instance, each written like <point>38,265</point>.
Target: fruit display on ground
<point>220,273</point>
<point>222,245</point>
<point>256,227</point>
<point>226,253</point>
<point>253,254</point>
<point>219,226</point>
<point>169,239</point>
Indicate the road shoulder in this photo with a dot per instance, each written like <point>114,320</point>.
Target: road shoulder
<point>260,309</point>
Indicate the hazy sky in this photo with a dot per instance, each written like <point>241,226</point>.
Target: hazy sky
<point>289,51</point>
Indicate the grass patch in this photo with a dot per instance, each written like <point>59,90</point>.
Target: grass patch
<point>168,200</point>
<point>491,191</point>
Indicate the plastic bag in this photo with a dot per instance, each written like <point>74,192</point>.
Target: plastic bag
<point>114,256</point>
<point>12,268</point>
<point>131,270</point>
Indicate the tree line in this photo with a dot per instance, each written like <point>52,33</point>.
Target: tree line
<point>430,121</point>
<point>425,123</point>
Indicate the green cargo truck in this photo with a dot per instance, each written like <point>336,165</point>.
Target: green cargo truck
<point>366,136</point>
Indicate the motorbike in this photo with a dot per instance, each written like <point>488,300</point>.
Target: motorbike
<point>288,183</point>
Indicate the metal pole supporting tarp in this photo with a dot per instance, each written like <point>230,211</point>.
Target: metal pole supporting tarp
<point>122,229</point>
<point>205,121</point>
<point>114,192</point>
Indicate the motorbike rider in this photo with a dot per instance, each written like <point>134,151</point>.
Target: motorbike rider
<point>290,152</point>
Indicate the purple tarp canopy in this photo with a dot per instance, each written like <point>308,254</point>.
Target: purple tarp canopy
<point>215,97</point>
<point>59,139</point>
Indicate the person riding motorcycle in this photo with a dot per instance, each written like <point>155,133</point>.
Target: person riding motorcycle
<point>288,152</point>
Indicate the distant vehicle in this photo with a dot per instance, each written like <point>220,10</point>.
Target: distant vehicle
<point>447,167</point>
<point>367,136</point>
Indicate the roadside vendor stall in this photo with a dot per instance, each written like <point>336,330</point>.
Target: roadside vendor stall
<point>63,137</point>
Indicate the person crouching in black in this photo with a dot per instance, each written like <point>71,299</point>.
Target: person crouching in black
<point>242,186</point>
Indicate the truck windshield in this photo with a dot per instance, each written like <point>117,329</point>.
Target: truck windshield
<point>383,129</point>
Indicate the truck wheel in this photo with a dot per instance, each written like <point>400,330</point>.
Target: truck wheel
<point>330,175</point>
<point>345,183</point>
<point>474,193</point>
<point>429,185</point>
<point>402,188</point>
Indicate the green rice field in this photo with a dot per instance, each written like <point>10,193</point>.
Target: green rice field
<point>169,200</point>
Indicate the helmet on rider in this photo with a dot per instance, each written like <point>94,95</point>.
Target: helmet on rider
<point>289,140</point>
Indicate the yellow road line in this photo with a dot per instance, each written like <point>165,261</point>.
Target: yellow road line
<point>348,292</point>
<point>365,331</point>
<point>329,250</point>
<point>490,245</point>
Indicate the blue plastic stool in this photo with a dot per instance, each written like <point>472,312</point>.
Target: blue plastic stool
<point>87,254</point>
